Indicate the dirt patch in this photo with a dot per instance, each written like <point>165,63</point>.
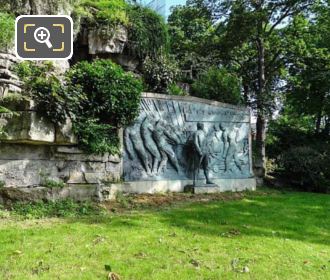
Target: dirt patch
<point>126,202</point>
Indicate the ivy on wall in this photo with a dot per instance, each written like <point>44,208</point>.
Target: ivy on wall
<point>147,31</point>
<point>99,98</point>
<point>7,30</point>
<point>102,98</point>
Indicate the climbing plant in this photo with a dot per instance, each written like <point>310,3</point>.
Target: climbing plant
<point>147,32</point>
<point>101,98</point>
<point>7,30</point>
<point>98,97</point>
<point>110,12</point>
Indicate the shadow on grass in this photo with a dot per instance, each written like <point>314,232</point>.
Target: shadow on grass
<point>298,216</point>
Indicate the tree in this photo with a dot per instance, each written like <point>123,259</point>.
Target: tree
<point>254,29</point>
<point>190,29</point>
<point>218,84</point>
<point>309,61</point>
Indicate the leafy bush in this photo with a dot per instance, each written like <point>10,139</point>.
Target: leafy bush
<point>308,168</point>
<point>50,183</point>
<point>160,73</point>
<point>218,84</point>
<point>95,137</point>
<point>7,30</point>
<point>147,32</point>
<point>101,98</point>
<point>111,12</point>
<point>287,132</point>
<point>45,89</point>
<point>174,89</point>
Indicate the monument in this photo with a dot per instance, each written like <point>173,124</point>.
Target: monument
<point>178,141</point>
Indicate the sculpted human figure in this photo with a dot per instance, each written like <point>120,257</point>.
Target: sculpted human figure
<point>134,142</point>
<point>224,140</point>
<point>147,129</point>
<point>161,134</point>
<point>216,142</point>
<point>232,153</point>
<point>202,148</point>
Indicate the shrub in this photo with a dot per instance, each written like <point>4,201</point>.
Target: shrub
<point>45,89</point>
<point>7,30</point>
<point>2,184</point>
<point>160,73</point>
<point>218,84</point>
<point>111,12</point>
<point>95,137</point>
<point>174,89</point>
<point>101,98</point>
<point>50,183</point>
<point>147,32</point>
<point>307,167</point>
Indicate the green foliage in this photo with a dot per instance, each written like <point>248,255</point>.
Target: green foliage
<point>111,12</point>
<point>299,154</point>
<point>218,84</point>
<point>308,168</point>
<point>174,89</point>
<point>101,98</point>
<point>160,73</point>
<point>2,184</point>
<point>309,70</point>
<point>45,89</point>
<point>124,200</point>
<point>96,137</point>
<point>50,183</point>
<point>147,32</point>
<point>64,208</point>
<point>7,30</point>
<point>191,34</point>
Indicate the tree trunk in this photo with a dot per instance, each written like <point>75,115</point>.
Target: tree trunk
<point>260,155</point>
<point>260,159</point>
<point>318,123</point>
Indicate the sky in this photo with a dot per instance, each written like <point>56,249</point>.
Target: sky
<point>173,3</point>
<point>169,3</point>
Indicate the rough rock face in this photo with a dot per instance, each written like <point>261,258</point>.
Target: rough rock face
<point>104,40</point>
<point>38,7</point>
<point>33,149</point>
<point>23,165</point>
<point>9,82</point>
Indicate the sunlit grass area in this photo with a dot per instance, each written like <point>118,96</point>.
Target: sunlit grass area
<point>274,236</point>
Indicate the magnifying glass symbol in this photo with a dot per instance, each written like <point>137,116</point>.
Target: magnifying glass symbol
<point>41,35</point>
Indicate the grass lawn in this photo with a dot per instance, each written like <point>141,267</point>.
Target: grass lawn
<point>273,236</point>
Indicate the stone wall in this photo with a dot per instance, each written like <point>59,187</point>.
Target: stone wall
<point>35,154</point>
<point>29,165</point>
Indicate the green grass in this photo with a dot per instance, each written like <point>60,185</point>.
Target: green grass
<point>277,236</point>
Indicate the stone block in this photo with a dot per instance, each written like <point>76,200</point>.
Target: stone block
<point>27,127</point>
<point>10,151</point>
<point>64,134</point>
